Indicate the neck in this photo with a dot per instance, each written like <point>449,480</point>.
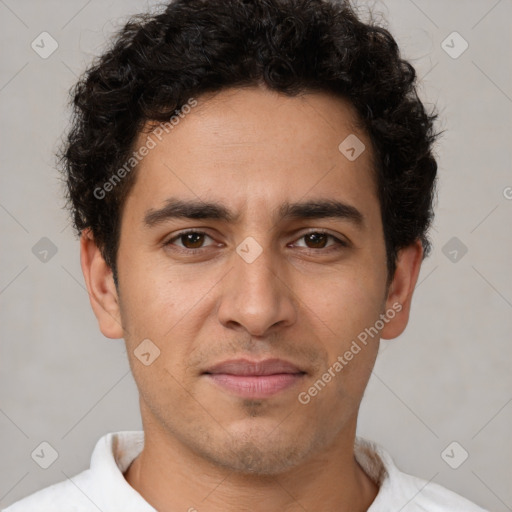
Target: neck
<point>170,477</point>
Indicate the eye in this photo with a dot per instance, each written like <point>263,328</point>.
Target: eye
<point>190,239</point>
<point>193,241</point>
<point>319,239</point>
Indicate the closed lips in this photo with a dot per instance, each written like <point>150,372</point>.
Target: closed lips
<point>245,367</point>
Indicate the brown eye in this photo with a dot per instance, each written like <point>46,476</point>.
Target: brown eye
<point>319,240</point>
<point>189,240</point>
<point>194,239</point>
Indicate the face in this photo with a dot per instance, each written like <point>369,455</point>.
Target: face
<point>287,262</point>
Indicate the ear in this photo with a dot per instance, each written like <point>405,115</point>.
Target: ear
<point>401,289</point>
<point>100,286</point>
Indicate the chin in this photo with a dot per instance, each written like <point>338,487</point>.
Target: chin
<point>255,452</point>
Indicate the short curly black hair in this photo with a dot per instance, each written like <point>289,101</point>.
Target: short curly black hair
<point>158,61</point>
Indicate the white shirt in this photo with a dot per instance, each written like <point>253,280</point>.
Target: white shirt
<point>103,486</point>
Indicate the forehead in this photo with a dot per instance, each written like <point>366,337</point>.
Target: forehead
<point>253,148</point>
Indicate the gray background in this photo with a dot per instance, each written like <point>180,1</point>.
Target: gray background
<point>447,378</point>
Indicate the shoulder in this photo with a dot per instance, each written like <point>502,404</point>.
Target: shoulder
<point>423,495</point>
<point>69,495</point>
<point>401,491</point>
<point>101,487</point>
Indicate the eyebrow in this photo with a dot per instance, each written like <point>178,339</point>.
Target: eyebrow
<point>191,209</point>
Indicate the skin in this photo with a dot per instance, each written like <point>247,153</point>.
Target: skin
<point>301,300</point>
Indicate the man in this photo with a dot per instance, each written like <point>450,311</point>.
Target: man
<point>253,185</point>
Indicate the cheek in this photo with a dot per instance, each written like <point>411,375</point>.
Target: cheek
<point>157,339</point>
<point>149,308</point>
<point>348,303</point>
<point>349,308</point>
<point>150,288</point>
<point>165,308</point>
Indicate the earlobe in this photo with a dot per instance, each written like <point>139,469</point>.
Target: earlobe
<point>100,287</point>
<point>401,289</point>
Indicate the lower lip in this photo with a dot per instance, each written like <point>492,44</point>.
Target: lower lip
<point>256,386</point>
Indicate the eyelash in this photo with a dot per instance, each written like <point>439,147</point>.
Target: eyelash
<point>341,243</point>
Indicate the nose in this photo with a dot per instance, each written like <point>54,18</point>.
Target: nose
<point>256,295</point>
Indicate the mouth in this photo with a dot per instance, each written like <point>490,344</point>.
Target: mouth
<point>255,379</point>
